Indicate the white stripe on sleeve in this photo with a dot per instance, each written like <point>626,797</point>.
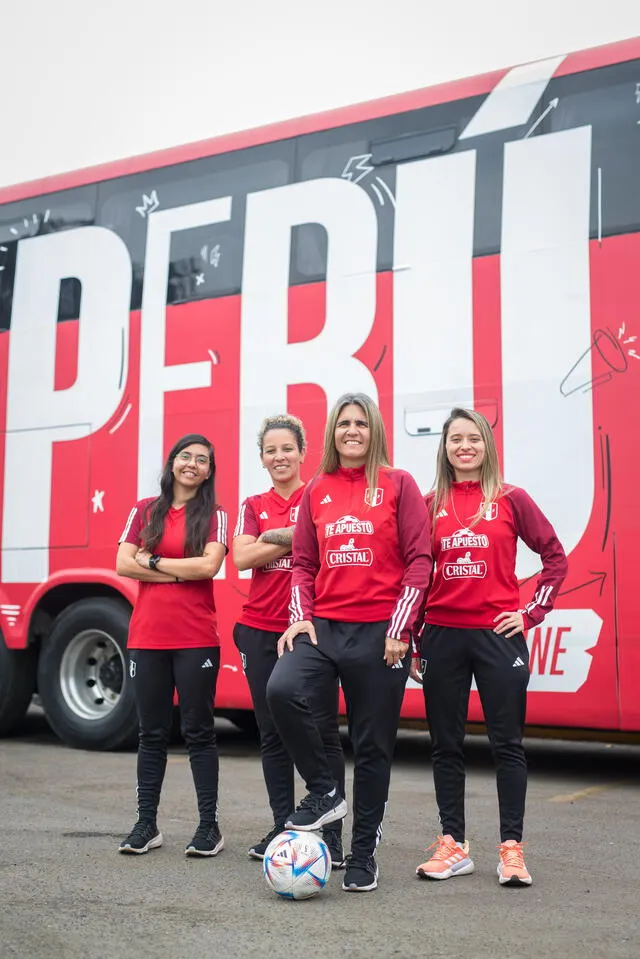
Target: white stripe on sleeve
<point>127,526</point>
<point>295,607</point>
<point>403,610</point>
<point>239,530</point>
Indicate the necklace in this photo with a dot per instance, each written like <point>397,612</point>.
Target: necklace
<point>464,528</point>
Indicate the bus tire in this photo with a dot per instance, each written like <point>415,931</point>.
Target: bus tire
<point>83,676</point>
<point>17,684</point>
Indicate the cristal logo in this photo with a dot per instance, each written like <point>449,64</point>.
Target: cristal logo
<point>463,539</point>
<point>348,525</point>
<point>348,555</point>
<point>465,568</point>
<point>285,562</point>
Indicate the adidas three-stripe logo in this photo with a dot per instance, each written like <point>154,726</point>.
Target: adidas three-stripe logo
<point>327,499</point>
<point>207,664</point>
<point>518,662</point>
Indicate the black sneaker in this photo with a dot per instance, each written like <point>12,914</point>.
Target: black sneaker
<point>317,810</point>
<point>207,841</point>
<point>258,850</point>
<point>144,836</point>
<point>361,875</point>
<point>332,836</point>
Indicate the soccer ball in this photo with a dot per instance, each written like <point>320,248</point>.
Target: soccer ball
<point>297,865</point>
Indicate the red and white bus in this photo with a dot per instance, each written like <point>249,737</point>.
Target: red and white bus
<point>476,244</point>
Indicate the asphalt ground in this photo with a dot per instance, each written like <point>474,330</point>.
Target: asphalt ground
<point>66,893</point>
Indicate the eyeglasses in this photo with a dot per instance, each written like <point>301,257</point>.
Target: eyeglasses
<point>201,461</point>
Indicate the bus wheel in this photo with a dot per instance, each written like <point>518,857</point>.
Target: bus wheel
<point>17,683</point>
<point>83,678</point>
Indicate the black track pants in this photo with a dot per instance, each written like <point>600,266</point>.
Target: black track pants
<point>193,672</point>
<point>259,654</point>
<point>500,666</point>
<point>353,653</point>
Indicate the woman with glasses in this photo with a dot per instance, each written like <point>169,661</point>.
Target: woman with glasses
<point>174,545</point>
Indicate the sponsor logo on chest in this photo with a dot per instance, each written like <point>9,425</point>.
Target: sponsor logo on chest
<point>284,562</point>
<point>349,555</point>
<point>465,539</point>
<point>465,568</point>
<point>348,526</point>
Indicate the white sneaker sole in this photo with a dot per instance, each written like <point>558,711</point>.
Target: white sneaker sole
<point>512,880</point>
<point>465,870</point>
<point>152,844</point>
<point>339,812</point>
<point>192,851</point>
<point>373,885</point>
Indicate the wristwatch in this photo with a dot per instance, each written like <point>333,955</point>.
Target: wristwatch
<point>153,562</point>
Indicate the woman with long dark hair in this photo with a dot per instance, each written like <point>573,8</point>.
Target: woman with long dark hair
<point>475,629</point>
<point>262,543</point>
<point>361,563</point>
<point>174,545</point>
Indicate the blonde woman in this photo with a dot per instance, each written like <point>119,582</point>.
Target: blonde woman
<point>361,562</point>
<point>262,543</point>
<point>474,629</point>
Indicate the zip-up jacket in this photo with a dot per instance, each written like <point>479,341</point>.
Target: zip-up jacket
<point>358,557</point>
<point>474,575</point>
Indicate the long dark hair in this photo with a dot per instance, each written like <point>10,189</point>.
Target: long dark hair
<point>198,510</point>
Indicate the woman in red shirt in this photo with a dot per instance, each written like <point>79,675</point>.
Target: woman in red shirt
<point>361,562</point>
<point>262,543</point>
<point>474,628</point>
<point>174,545</point>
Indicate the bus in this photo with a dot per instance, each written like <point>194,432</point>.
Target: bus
<point>476,243</point>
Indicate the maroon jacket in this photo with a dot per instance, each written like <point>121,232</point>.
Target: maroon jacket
<point>474,576</point>
<point>357,560</point>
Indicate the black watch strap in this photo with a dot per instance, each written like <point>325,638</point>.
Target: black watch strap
<point>153,561</point>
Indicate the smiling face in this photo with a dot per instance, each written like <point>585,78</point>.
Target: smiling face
<point>281,457</point>
<point>465,449</point>
<point>192,466</point>
<point>352,436</point>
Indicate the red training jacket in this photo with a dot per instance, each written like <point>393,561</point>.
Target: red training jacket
<point>358,558</point>
<point>270,590</point>
<point>474,575</point>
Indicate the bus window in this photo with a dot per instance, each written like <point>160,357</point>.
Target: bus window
<point>207,261</point>
<point>607,100</point>
<point>38,217</point>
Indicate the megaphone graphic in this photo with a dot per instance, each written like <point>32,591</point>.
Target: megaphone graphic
<point>604,348</point>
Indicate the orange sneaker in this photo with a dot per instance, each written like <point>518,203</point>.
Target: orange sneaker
<point>511,868</point>
<point>449,859</point>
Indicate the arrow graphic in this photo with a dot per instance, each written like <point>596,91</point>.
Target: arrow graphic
<point>599,578</point>
<point>550,106</point>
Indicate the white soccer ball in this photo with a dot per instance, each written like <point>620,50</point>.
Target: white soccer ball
<point>297,865</point>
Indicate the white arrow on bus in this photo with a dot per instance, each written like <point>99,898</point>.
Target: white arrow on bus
<point>550,106</point>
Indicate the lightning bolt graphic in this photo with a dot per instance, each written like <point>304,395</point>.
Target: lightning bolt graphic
<point>355,164</point>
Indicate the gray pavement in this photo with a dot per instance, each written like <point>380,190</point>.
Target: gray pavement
<point>65,893</point>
